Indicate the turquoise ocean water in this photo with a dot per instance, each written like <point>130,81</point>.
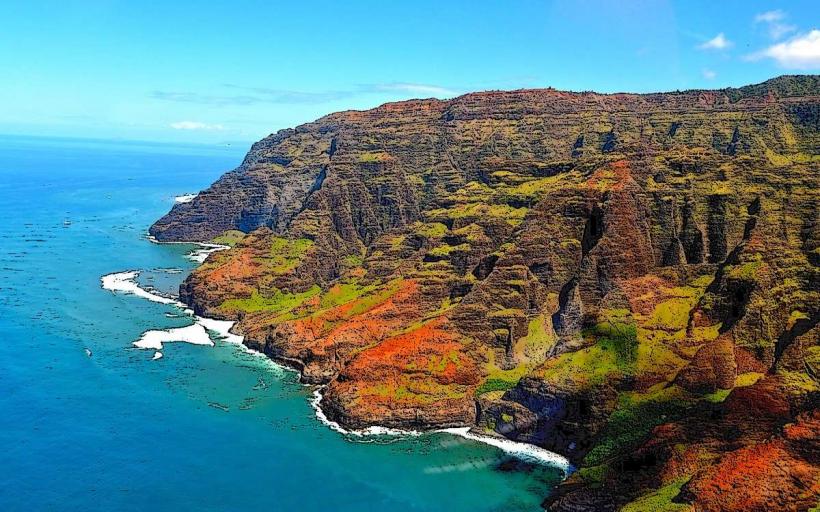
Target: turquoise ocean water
<point>203,428</point>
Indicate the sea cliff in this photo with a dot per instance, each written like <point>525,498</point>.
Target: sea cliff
<point>629,280</point>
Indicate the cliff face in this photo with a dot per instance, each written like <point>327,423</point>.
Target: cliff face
<point>629,280</point>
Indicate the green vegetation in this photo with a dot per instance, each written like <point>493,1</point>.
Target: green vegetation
<point>673,313</point>
<point>343,293</point>
<point>585,368</point>
<point>443,251</point>
<point>593,475</point>
<point>279,302</point>
<point>418,391</point>
<point>512,215</point>
<point>229,238</point>
<point>352,260</point>
<point>380,156</point>
<point>660,500</point>
<point>742,380</point>
<point>356,298</point>
<point>783,86</point>
<point>473,192</point>
<point>501,380</point>
<point>495,385</point>
<point>532,349</point>
<point>507,200</point>
<point>430,230</point>
<point>633,420</point>
<point>622,339</point>
<point>799,382</point>
<point>507,313</point>
<point>747,379</point>
<point>530,190</point>
<point>286,254</point>
<point>365,298</point>
<point>718,396</point>
<point>612,355</point>
<point>437,364</point>
<point>472,232</point>
<point>746,271</point>
<point>662,347</point>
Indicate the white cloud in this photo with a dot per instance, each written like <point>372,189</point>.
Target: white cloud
<point>770,16</point>
<point>708,74</point>
<point>247,96</point>
<point>411,88</point>
<point>719,42</point>
<point>195,125</point>
<point>778,30</point>
<point>774,22</point>
<point>800,52</point>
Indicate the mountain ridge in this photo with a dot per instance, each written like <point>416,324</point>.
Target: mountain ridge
<point>810,82</point>
<point>600,275</point>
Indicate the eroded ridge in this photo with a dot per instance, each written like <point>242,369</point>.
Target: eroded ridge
<point>627,280</point>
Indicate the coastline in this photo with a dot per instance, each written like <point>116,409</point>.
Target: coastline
<point>125,283</point>
<point>197,255</point>
<point>524,451</point>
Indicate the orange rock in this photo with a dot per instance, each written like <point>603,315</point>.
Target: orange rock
<point>761,478</point>
<point>712,368</point>
<point>421,378</point>
<point>766,399</point>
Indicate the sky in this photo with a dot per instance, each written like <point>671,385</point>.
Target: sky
<point>235,71</point>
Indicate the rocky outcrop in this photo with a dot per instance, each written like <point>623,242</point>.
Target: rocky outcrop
<point>629,280</point>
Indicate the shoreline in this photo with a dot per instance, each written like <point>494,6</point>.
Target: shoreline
<point>524,451</point>
<point>125,283</point>
<point>197,255</point>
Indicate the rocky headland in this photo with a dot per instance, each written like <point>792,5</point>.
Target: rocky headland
<point>629,280</point>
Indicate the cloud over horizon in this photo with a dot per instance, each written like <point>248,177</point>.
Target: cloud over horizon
<point>774,20</point>
<point>719,42</point>
<point>411,88</point>
<point>257,95</point>
<point>801,52</point>
<point>196,125</point>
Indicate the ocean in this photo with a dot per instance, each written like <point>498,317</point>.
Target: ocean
<point>89,422</point>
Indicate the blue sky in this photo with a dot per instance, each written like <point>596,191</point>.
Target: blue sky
<point>185,71</point>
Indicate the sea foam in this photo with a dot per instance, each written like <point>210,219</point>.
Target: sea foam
<point>125,282</point>
<point>202,332</point>
<point>223,329</point>
<point>201,254</point>
<point>523,451</point>
<point>194,334</point>
<point>371,431</point>
<point>185,198</point>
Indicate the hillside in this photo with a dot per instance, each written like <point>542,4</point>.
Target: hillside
<point>629,280</point>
